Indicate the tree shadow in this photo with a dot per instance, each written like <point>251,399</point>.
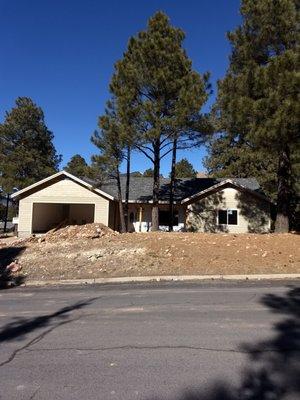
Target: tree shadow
<point>21,327</point>
<point>273,372</point>
<point>202,214</point>
<point>7,256</point>
<point>256,212</point>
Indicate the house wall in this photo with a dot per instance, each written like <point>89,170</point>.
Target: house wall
<point>64,191</point>
<point>145,225</point>
<point>253,213</point>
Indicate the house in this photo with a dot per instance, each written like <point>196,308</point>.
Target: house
<point>201,204</point>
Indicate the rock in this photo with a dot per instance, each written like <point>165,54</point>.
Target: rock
<point>13,266</point>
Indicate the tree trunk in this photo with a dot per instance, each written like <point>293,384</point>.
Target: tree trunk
<point>284,191</point>
<point>121,211</point>
<point>172,185</point>
<point>156,149</point>
<point>127,189</point>
<point>6,213</point>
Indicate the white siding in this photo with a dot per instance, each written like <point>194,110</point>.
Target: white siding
<point>64,191</point>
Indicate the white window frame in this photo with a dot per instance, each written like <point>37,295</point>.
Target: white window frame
<point>228,209</point>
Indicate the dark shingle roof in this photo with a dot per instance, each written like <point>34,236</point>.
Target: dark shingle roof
<point>141,187</point>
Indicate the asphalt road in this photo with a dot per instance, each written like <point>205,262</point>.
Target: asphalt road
<point>212,341</point>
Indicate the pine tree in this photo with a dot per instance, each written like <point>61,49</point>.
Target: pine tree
<point>77,166</point>
<point>111,141</point>
<point>159,94</point>
<point>27,153</point>
<point>184,169</point>
<point>258,98</point>
<point>229,155</point>
<point>148,173</point>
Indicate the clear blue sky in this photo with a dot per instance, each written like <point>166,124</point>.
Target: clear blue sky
<point>61,54</point>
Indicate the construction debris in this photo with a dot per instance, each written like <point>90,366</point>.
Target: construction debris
<point>13,267</point>
<point>87,231</point>
<point>95,251</point>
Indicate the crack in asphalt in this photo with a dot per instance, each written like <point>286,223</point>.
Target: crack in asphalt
<point>163,347</point>
<point>35,340</point>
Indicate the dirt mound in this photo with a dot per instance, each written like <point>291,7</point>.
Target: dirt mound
<point>87,231</point>
<point>75,252</point>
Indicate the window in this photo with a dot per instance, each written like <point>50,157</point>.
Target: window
<point>227,217</point>
<point>164,218</point>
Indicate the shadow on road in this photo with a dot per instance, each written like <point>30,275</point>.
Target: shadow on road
<point>8,255</point>
<point>274,364</point>
<point>18,329</point>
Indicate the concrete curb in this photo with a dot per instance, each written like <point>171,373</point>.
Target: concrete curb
<point>162,278</point>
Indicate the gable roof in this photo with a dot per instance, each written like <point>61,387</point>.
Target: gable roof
<point>62,174</point>
<point>141,188</point>
<point>243,184</point>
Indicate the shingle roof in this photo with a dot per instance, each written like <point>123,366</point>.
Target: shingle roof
<point>141,187</point>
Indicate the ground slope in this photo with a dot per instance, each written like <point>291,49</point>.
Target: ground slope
<point>95,251</point>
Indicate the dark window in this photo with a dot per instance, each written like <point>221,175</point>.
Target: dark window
<point>223,217</point>
<point>227,217</point>
<point>232,217</point>
<point>164,218</point>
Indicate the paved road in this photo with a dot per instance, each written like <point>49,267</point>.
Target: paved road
<point>212,341</point>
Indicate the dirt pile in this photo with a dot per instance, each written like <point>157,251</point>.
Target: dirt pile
<point>87,231</point>
<point>93,250</point>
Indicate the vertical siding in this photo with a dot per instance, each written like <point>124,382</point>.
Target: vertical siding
<point>253,213</point>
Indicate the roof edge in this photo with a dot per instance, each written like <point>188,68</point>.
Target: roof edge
<point>221,184</point>
<point>56,175</point>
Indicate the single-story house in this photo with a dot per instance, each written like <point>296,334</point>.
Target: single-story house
<point>201,204</point>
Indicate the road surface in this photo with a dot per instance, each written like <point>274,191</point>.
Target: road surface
<point>164,341</point>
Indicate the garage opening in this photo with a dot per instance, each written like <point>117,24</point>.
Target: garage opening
<point>47,216</point>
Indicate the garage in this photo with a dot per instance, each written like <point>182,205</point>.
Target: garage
<point>46,216</point>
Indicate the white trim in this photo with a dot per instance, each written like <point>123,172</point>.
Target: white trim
<point>221,184</point>
<point>58,174</point>
<point>227,209</point>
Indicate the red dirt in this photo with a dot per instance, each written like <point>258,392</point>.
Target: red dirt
<point>93,250</point>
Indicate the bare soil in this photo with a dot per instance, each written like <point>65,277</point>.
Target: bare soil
<point>95,251</point>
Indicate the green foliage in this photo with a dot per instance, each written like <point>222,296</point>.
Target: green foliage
<point>156,88</point>
<point>184,169</point>
<point>257,107</point>
<point>231,156</point>
<point>159,95</point>
<point>148,172</point>
<point>27,153</point>
<point>110,140</point>
<point>77,166</point>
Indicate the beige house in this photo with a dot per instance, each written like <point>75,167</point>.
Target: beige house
<point>201,204</point>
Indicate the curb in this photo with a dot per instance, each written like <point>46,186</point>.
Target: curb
<point>162,278</point>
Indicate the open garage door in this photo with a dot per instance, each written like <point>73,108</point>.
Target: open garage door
<point>46,216</point>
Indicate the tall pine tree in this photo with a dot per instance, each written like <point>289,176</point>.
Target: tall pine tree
<point>27,152</point>
<point>258,99</point>
<point>111,140</point>
<point>159,94</point>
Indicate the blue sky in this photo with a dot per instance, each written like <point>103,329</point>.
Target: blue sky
<point>61,53</point>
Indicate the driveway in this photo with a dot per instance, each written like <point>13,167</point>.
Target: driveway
<point>209,341</point>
